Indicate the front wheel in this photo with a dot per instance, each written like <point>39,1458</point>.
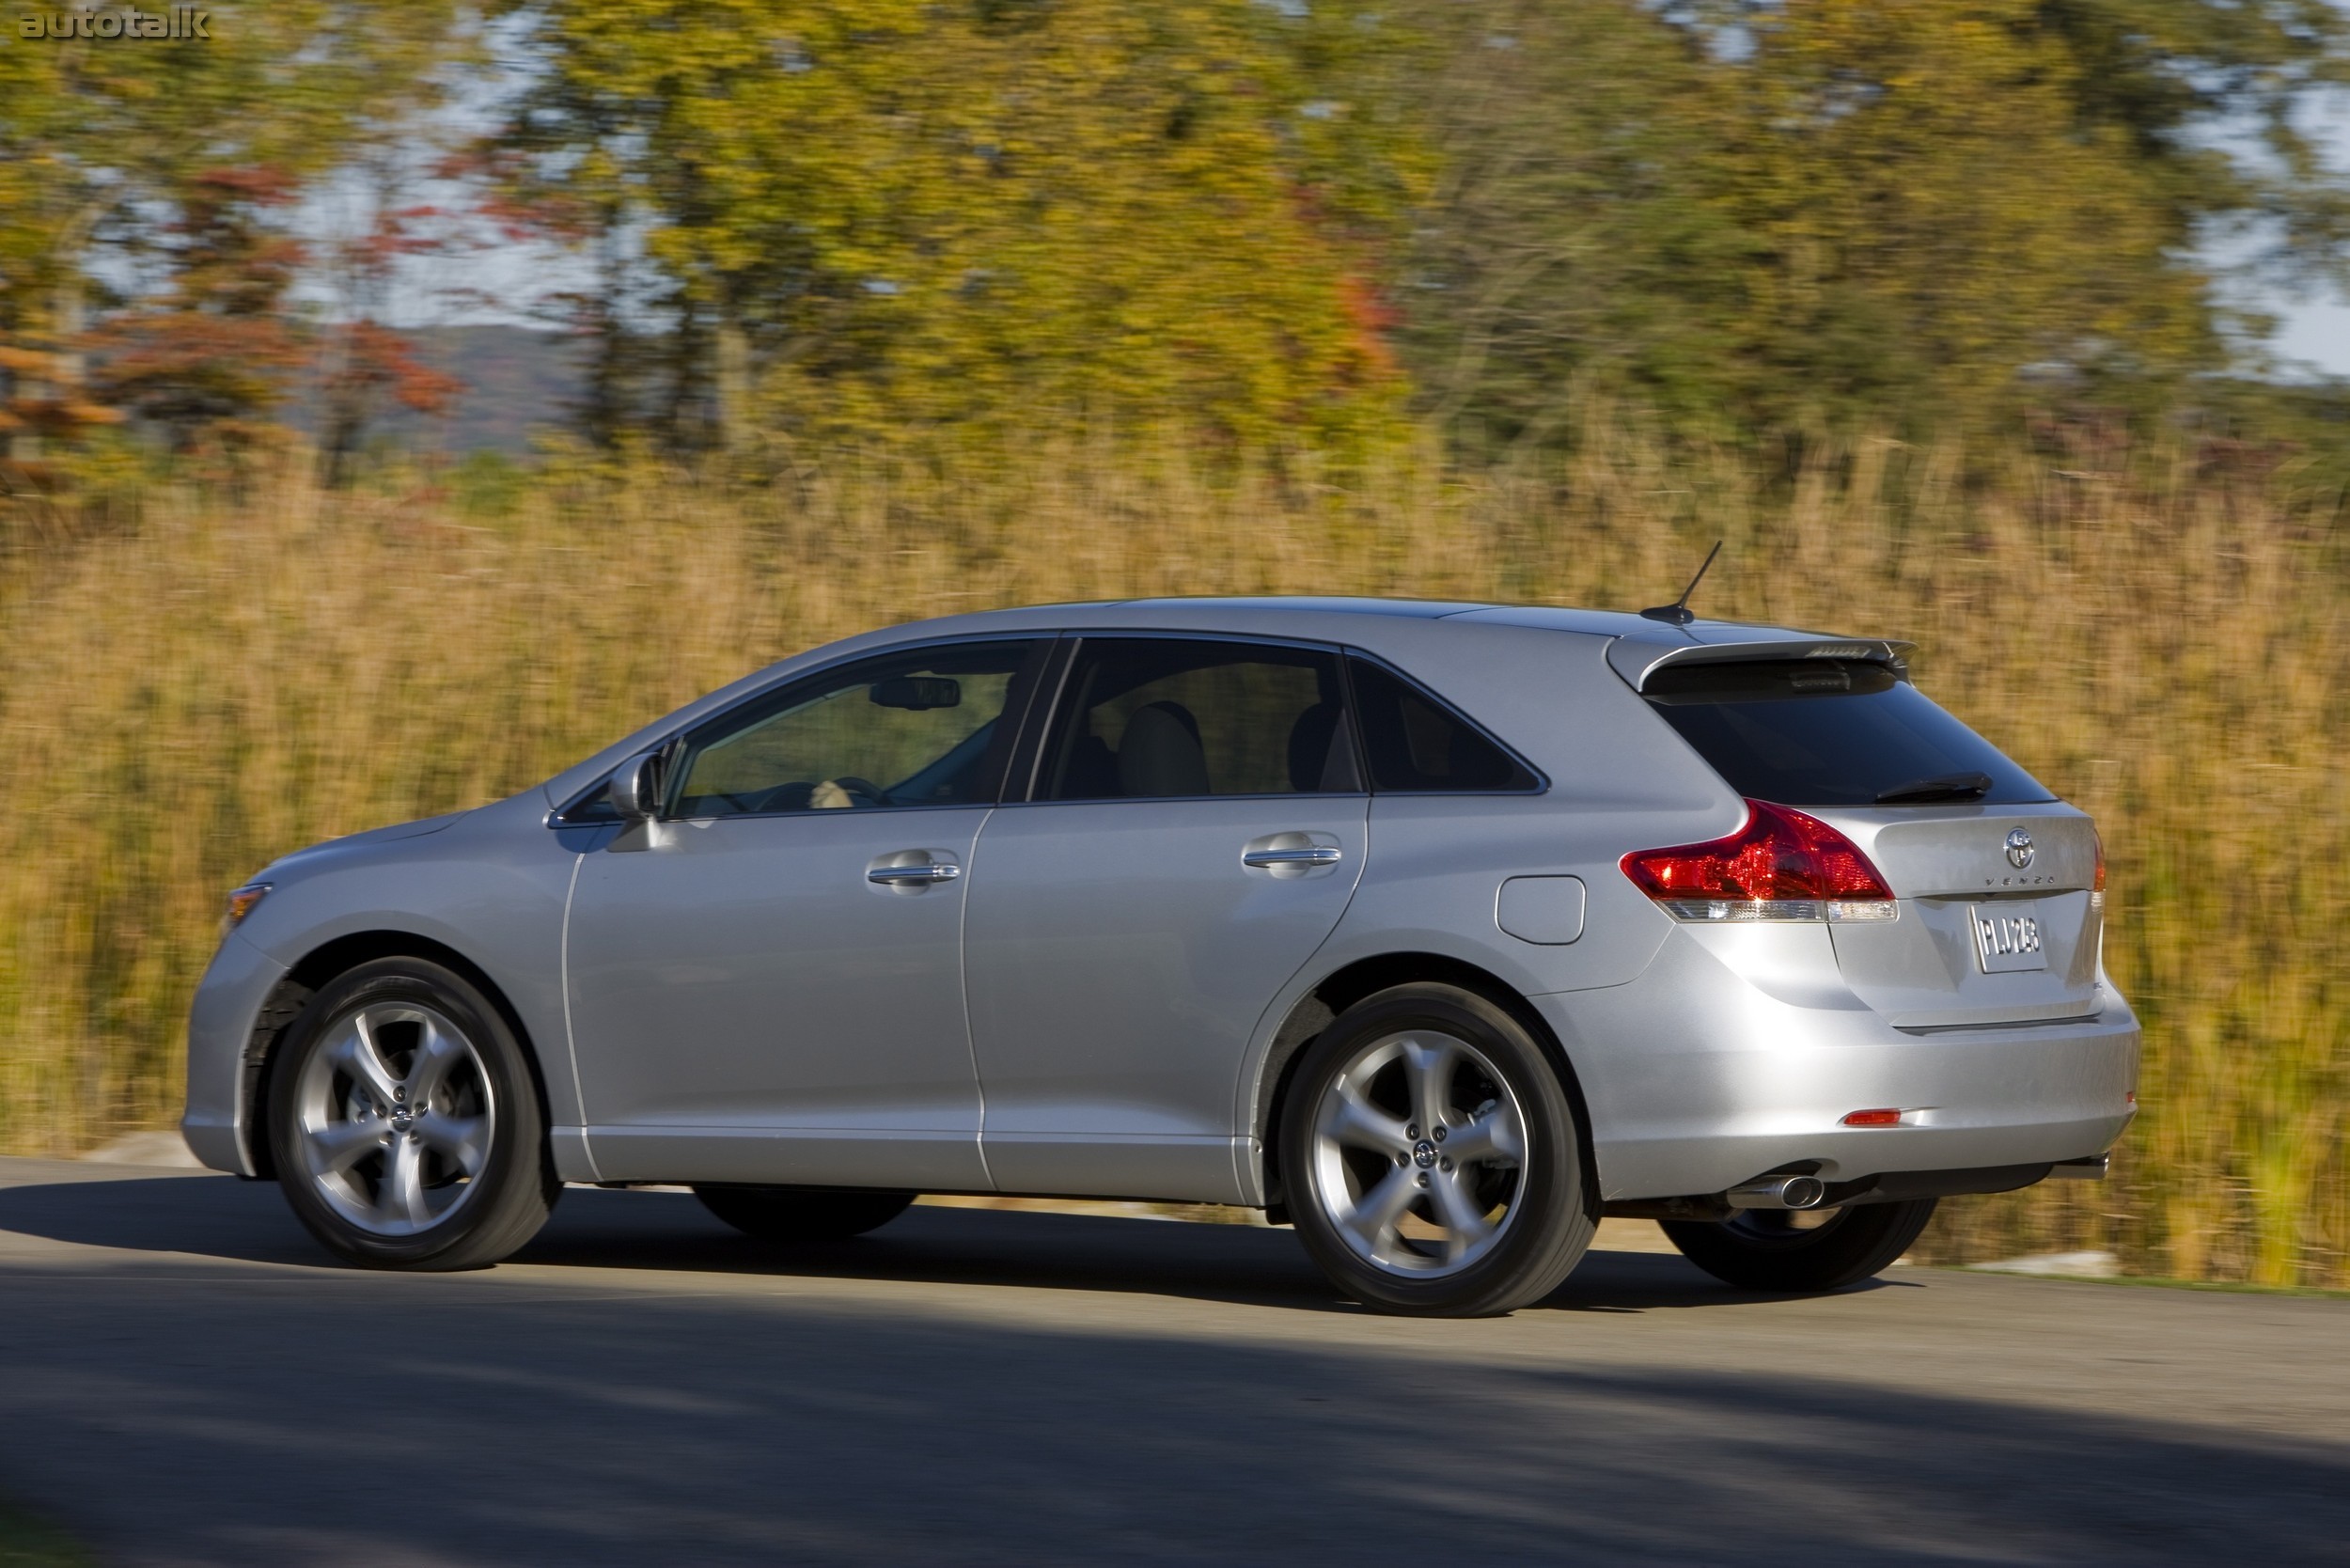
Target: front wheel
<point>1766,1249</point>
<point>405,1121</point>
<point>1430,1156</point>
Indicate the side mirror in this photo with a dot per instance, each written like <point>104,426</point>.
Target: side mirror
<point>635,789</point>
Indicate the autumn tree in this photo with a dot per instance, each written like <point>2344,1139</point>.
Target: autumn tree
<point>131,151</point>
<point>869,216</point>
<point>1573,238</point>
<point>211,353</point>
<point>361,367</point>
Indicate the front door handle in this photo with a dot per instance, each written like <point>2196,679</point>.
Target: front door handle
<point>914,876</point>
<point>1309,855</point>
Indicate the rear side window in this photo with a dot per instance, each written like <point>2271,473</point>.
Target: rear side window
<point>1415,743</point>
<point>1174,719</point>
<point>1832,732</point>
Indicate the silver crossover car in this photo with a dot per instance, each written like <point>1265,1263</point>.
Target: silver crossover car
<point>1436,931</point>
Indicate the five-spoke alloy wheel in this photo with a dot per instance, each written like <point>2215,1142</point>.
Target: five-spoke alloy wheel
<point>1430,1156</point>
<point>405,1123</point>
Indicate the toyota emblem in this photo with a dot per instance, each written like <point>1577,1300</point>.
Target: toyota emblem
<point>2019,849</point>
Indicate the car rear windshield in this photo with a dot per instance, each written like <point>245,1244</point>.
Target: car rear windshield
<point>1832,732</point>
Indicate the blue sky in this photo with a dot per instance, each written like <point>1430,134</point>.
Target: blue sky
<point>2317,331</point>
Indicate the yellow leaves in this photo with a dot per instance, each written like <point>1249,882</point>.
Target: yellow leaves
<point>930,214</point>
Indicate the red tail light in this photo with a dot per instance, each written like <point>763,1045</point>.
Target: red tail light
<point>1782,865</point>
<point>2098,886</point>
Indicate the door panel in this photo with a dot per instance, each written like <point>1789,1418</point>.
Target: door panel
<point>770,988</point>
<point>1197,833</point>
<point>1120,957</point>
<point>747,1005</point>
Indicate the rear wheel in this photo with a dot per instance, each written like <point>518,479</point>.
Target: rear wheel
<point>405,1121</point>
<point>1766,1249</point>
<point>785,1214</point>
<point>1431,1158</point>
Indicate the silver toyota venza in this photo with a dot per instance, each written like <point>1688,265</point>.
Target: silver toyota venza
<point>1437,930</point>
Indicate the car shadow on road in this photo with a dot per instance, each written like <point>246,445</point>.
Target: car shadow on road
<point>217,1217</point>
<point>202,1427</point>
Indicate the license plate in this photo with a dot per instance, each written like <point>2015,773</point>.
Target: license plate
<point>2008,937</point>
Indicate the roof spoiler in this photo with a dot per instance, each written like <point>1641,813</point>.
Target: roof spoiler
<point>1637,660</point>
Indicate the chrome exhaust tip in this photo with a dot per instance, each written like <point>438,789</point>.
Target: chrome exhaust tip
<point>1778,1192</point>
<point>2090,1170</point>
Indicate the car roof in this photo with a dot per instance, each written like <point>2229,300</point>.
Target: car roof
<point>1227,612</point>
<point>1407,630</point>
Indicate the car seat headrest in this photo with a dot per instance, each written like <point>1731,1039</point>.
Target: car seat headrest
<point>1160,754</point>
<point>1311,765</point>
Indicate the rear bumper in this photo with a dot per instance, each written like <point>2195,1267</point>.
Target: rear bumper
<point>1697,1078</point>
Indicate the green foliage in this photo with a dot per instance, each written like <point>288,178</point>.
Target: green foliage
<point>818,219</point>
<point>1940,210</point>
<point>867,216</point>
<point>487,485</point>
<point>26,1541</point>
<point>1573,238</point>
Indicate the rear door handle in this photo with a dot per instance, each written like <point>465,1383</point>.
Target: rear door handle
<point>1312,855</point>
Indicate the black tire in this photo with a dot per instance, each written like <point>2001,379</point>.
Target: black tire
<point>787,1215</point>
<point>1332,1182</point>
<point>1762,1250</point>
<point>459,1216</point>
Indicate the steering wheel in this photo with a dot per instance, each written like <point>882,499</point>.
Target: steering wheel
<point>757,803</point>
<point>864,790</point>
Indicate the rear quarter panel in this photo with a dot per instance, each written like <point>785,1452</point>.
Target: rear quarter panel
<point>1618,780</point>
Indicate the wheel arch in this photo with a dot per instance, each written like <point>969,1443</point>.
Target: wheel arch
<point>1342,989</point>
<point>292,995</point>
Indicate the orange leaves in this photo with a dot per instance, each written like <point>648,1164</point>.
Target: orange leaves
<point>372,358</point>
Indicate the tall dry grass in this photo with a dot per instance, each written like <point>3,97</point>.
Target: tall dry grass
<point>187,697</point>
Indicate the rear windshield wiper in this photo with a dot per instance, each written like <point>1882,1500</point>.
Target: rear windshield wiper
<point>1949,786</point>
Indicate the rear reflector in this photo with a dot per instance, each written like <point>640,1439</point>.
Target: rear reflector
<point>1782,865</point>
<point>1874,1118</point>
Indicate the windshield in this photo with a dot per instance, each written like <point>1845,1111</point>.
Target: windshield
<point>1832,732</point>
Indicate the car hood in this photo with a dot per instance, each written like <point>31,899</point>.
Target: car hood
<point>335,847</point>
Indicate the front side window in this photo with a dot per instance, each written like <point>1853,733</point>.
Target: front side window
<point>1150,719</point>
<point>925,728</point>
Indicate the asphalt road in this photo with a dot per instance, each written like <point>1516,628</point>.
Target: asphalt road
<point>187,1381</point>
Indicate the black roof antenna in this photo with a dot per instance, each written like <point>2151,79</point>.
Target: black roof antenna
<point>1678,613</point>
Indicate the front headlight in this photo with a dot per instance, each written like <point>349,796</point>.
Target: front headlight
<point>241,903</point>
